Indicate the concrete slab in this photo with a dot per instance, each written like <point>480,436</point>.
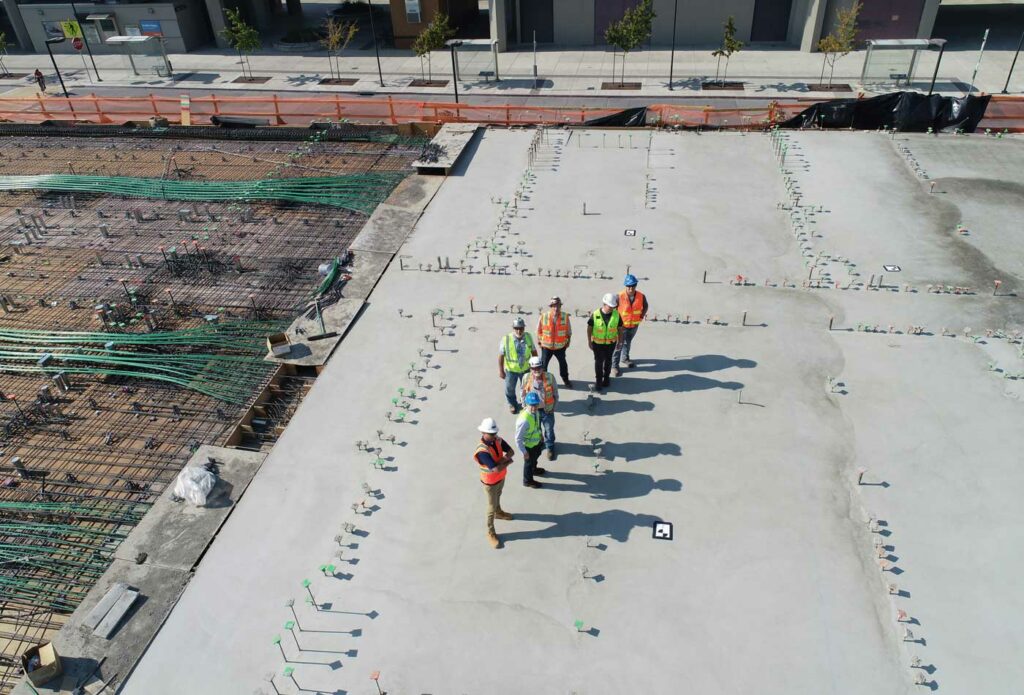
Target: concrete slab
<point>450,142</point>
<point>744,423</point>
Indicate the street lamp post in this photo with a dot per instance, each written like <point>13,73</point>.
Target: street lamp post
<point>85,40</point>
<point>672,59</point>
<point>373,30</point>
<point>453,44</point>
<point>1013,64</point>
<point>49,42</point>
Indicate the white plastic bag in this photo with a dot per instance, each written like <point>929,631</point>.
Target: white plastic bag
<point>194,484</point>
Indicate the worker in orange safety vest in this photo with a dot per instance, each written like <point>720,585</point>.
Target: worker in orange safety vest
<point>554,333</point>
<point>632,310</point>
<point>493,456</point>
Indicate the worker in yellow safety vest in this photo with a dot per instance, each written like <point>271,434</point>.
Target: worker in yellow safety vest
<point>529,439</point>
<point>554,333</point>
<point>633,309</point>
<point>542,382</point>
<point>514,353</point>
<point>493,456</point>
<point>604,335</point>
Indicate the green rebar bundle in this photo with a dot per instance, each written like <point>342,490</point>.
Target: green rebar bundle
<point>183,358</point>
<point>360,192</point>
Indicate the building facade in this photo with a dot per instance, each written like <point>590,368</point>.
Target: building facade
<point>789,23</point>
<point>410,17</point>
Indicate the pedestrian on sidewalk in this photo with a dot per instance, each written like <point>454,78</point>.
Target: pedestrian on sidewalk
<point>529,439</point>
<point>542,382</point>
<point>40,80</point>
<point>554,333</point>
<point>632,310</point>
<point>493,456</point>
<point>604,336</point>
<point>514,353</point>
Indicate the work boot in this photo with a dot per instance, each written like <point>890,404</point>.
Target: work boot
<point>618,371</point>
<point>630,363</point>
<point>551,454</point>
<point>565,380</point>
<point>532,483</point>
<point>512,409</point>
<point>493,539</point>
<point>503,515</point>
<point>540,471</point>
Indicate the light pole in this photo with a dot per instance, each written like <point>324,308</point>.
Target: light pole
<point>49,42</point>
<point>85,40</point>
<point>672,60</point>
<point>373,30</point>
<point>1013,64</point>
<point>453,44</point>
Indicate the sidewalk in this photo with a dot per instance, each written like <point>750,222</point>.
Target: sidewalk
<point>772,74</point>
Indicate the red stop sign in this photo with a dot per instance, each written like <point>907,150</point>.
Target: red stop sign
<point>77,43</point>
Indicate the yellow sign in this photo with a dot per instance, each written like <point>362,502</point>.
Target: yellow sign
<point>71,29</point>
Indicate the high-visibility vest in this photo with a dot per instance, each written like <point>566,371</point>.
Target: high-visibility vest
<point>533,434</point>
<point>553,331</point>
<point>487,476</point>
<point>631,311</point>
<point>602,332</point>
<point>549,390</point>
<point>511,363</point>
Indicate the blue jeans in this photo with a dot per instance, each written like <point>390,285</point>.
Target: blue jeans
<point>623,351</point>
<point>512,381</point>
<point>547,426</point>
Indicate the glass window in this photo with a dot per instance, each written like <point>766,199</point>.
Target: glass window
<point>412,11</point>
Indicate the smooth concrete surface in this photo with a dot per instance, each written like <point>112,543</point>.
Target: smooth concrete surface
<point>744,424</point>
<point>451,141</point>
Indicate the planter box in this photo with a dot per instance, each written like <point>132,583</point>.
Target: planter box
<point>621,85</point>
<point>251,80</point>
<point>344,81</point>
<point>834,87</point>
<point>428,83</point>
<point>720,85</point>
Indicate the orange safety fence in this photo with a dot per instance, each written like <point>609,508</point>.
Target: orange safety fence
<point>1003,113</point>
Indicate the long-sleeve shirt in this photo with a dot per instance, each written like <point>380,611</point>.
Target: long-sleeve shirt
<point>485,458</point>
<point>521,428</point>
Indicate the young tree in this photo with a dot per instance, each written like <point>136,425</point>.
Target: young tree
<point>432,38</point>
<point>337,36</point>
<point>630,31</point>
<point>840,41</point>
<point>242,37</point>
<point>730,45</point>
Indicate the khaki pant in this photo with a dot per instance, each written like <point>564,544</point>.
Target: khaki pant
<point>493,501</point>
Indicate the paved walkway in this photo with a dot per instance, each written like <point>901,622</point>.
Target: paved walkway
<point>767,73</point>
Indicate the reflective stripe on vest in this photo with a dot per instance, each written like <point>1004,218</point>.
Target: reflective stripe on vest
<point>533,435</point>
<point>510,353</point>
<point>487,476</point>
<point>553,332</point>
<point>549,391</point>
<point>605,333</point>
<point>631,312</point>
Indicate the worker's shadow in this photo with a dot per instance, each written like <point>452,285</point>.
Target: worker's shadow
<point>680,383</point>
<point>621,451</point>
<point>605,406</point>
<point>699,363</point>
<point>610,485</point>
<point>616,524</point>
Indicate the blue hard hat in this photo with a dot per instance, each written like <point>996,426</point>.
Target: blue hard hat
<point>532,398</point>
<point>629,280</point>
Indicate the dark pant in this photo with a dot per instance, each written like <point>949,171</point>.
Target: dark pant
<point>530,462</point>
<point>603,363</point>
<point>563,362</point>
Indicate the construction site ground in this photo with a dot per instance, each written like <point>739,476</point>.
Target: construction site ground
<point>809,318</point>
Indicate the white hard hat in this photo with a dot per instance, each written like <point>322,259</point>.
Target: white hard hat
<point>610,300</point>
<point>488,425</point>
<point>536,362</point>
<point>518,322</point>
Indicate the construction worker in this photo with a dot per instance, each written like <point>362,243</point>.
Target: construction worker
<point>554,335</point>
<point>604,336</point>
<point>529,439</point>
<point>493,455</point>
<point>632,310</point>
<point>542,382</point>
<point>40,80</point>
<point>514,353</point>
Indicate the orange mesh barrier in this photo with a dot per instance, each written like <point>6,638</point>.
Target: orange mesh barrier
<point>1003,112</point>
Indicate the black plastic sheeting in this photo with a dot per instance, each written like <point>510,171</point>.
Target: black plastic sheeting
<point>630,118</point>
<point>904,111</point>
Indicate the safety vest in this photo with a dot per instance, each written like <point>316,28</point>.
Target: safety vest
<point>553,332</point>
<point>488,476</point>
<point>533,433</point>
<point>631,312</point>
<point>549,390</point>
<point>604,333</point>
<point>511,365</point>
